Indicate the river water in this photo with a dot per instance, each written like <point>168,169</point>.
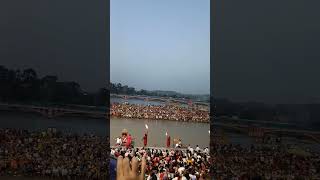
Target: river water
<point>190,133</point>
<point>34,122</point>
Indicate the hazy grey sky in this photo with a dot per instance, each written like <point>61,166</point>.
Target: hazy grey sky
<point>267,50</point>
<point>161,44</point>
<point>63,38</point>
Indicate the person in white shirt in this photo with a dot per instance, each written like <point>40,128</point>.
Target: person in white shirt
<point>191,150</point>
<point>119,141</point>
<point>206,150</point>
<point>193,177</point>
<point>181,170</point>
<point>112,152</point>
<point>197,148</point>
<point>181,177</point>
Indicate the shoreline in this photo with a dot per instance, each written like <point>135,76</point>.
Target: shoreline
<point>159,99</point>
<point>151,119</point>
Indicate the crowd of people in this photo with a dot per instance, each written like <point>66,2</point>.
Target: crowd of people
<point>161,112</point>
<point>262,162</point>
<point>63,155</point>
<point>169,163</point>
<point>53,154</point>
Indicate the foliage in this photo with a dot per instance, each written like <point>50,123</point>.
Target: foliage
<point>25,86</point>
<point>118,88</point>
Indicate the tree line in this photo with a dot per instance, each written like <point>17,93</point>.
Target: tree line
<point>24,86</point>
<point>304,115</point>
<point>118,88</point>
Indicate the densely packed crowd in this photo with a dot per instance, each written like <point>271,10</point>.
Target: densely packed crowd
<point>262,162</point>
<point>53,154</point>
<point>161,112</point>
<point>167,164</point>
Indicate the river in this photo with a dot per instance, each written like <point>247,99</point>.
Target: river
<point>190,133</point>
<point>34,122</point>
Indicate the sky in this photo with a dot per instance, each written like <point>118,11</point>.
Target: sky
<point>63,38</point>
<point>161,45</point>
<point>267,51</point>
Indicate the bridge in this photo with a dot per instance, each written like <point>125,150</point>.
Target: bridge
<point>52,112</point>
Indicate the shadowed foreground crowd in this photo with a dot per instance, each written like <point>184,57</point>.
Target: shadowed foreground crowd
<point>63,156</point>
<point>165,164</point>
<point>163,112</point>
<point>268,162</point>
<point>53,154</point>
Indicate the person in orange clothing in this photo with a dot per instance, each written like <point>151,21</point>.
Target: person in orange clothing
<point>145,139</point>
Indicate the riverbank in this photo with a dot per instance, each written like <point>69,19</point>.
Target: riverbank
<point>143,119</point>
<point>164,112</point>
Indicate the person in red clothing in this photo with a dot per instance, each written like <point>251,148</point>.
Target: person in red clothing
<point>145,139</point>
<point>168,141</point>
<point>161,174</point>
<point>124,137</point>
<point>129,139</point>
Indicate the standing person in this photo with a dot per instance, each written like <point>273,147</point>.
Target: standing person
<point>180,143</point>
<point>161,174</point>
<point>176,142</point>
<point>119,142</point>
<point>168,141</point>
<point>124,137</point>
<point>145,139</point>
<point>197,148</point>
<point>129,139</point>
